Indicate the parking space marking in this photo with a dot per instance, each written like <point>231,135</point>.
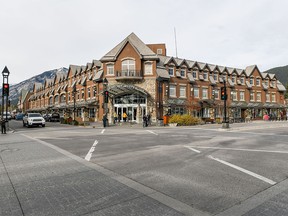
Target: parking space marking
<point>269,181</point>
<point>152,132</point>
<point>239,149</point>
<point>102,131</point>
<point>89,154</point>
<point>195,150</point>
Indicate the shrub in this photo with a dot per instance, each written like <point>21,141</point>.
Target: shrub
<point>184,120</point>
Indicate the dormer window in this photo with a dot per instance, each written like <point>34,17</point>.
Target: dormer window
<point>258,82</point>
<point>205,75</point>
<point>171,71</point>
<point>251,81</point>
<point>182,72</point>
<point>242,80</point>
<point>194,74</point>
<point>215,76</point>
<point>233,79</point>
<point>159,51</point>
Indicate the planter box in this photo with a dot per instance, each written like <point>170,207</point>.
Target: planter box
<point>173,124</point>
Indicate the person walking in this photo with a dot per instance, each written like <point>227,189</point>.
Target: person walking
<point>115,117</point>
<point>124,116</point>
<point>3,125</point>
<point>104,120</point>
<point>145,121</point>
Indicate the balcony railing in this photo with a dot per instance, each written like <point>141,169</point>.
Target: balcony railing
<point>129,74</point>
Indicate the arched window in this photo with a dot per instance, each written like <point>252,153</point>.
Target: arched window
<point>63,98</point>
<point>50,102</point>
<point>56,99</point>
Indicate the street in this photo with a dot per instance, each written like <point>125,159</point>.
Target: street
<point>198,170</point>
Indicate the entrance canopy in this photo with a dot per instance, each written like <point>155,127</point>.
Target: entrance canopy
<point>119,89</point>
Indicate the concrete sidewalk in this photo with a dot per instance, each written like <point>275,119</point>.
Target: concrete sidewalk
<point>37,178</point>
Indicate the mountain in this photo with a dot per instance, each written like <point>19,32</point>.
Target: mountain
<point>281,74</point>
<point>15,89</point>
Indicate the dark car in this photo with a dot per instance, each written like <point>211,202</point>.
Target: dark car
<point>19,116</point>
<point>55,117</point>
<point>47,117</point>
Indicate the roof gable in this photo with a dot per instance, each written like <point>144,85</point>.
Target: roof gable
<point>141,48</point>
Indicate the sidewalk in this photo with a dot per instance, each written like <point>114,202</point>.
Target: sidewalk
<point>37,178</point>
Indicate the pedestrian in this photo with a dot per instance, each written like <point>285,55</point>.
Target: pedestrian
<point>124,116</point>
<point>149,119</point>
<point>104,120</point>
<point>266,117</point>
<point>145,121</point>
<point>115,117</point>
<point>3,125</point>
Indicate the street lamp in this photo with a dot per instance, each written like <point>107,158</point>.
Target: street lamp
<point>225,123</point>
<point>105,100</point>
<point>5,91</point>
<point>74,103</point>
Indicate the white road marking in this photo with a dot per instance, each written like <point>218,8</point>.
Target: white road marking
<point>195,150</point>
<point>54,138</point>
<point>152,132</point>
<point>269,181</point>
<point>239,149</point>
<point>102,131</point>
<point>89,154</point>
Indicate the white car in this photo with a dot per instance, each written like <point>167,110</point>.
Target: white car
<point>8,115</point>
<point>31,119</point>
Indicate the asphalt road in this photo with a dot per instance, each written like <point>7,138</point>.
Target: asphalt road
<point>205,167</point>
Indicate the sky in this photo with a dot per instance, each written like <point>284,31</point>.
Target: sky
<point>41,35</point>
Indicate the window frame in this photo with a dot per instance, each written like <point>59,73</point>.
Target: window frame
<point>172,88</point>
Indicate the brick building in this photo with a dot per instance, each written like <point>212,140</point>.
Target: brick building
<point>141,79</point>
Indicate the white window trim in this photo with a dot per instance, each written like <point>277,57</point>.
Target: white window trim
<point>148,63</point>
<point>185,88</point>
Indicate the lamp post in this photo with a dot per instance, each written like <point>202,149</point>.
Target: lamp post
<point>5,92</point>
<point>74,103</point>
<point>105,100</point>
<point>225,123</point>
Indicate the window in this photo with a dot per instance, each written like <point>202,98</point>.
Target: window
<point>63,98</point>
<point>267,97</point>
<point>194,74</point>
<point>233,79</point>
<point>110,69</point>
<point>148,68</point>
<point>196,92</point>
<point>128,65</point>
<point>251,96</point>
<point>82,94</point>
<point>258,96</point>
<point>171,71</point>
<point>56,99</point>
<point>204,93</point>
<point>69,96</point>
<point>182,91</point>
<point>205,75</point>
<point>91,113</point>
<point>234,95</point>
<point>216,94</point>
<point>257,82</point>
<point>242,80</point>
<point>242,96</point>
<point>89,92</point>
<point>94,91</point>
<point>172,90</point>
<point>273,97</point>
<point>159,51</point>
<point>50,101</point>
<point>215,76</point>
<point>267,83</point>
<point>182,72</point>
<point>252,81</point>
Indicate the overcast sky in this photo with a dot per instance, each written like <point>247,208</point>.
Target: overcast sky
<point>41,35</point>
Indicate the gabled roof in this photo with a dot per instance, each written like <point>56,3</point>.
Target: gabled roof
<point>250,69</point>
<point>88,66</point>
<point>239,71</point>
<point>24,93</point>
<point>36,86</point>
<point>272,76</point>
<point>211,67</point>
<point>201,65</point>
<point>221,68</point>
<point>141,48</point>
<point>96,63</point>
<point>73,69</point>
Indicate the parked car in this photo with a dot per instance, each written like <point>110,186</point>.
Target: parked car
<point>19,116</point>
<point>47,117</point>
<point>9,117</point>
<point>55,117</point>
<point>33,119</point>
